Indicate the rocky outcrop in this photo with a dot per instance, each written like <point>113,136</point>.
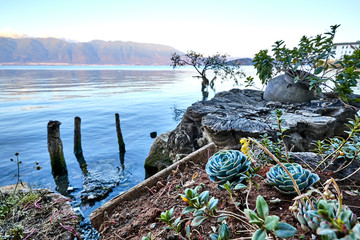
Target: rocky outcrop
<point>234,114</point>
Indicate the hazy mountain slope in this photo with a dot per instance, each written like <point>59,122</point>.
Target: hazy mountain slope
<point>52,50</point>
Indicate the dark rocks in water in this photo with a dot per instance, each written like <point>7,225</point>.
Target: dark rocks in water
<point>153,134</point>
<point>283,89</point>
<point>237,113</point>
<point>97,185</point>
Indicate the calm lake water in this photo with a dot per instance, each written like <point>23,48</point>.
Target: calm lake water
<point>147,98</point>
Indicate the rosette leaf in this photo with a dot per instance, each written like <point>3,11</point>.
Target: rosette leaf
<point>319,221</point>
<point>227,165</point>
<point>278,178</point>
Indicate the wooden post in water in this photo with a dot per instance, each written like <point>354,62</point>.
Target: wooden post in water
<point>55,147</point>
<point>77,136</point>
<point>119,134</point>
<point>77,145</point>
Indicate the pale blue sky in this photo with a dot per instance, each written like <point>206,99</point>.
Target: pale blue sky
<point>237,27</point>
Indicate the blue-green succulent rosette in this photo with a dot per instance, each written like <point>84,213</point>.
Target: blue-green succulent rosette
<point>278,178</point>
<point>227,166</point>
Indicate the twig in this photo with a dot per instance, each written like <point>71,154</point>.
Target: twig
<point>345,165</point>
<point>70,229</point>
<point>304,162</point>
<point>339,180</point>
<point>31,233</point>
<point>55,214</point>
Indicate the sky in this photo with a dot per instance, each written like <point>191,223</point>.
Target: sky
<point>235,27</point>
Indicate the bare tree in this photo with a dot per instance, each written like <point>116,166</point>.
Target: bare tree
<point>216,63</point>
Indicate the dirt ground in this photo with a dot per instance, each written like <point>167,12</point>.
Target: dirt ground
<point>48,216</point>
<point>135,219</point>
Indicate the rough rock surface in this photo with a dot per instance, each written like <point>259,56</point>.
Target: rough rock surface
<point>237,113</point>
<point>97,185</point>
<point>283,89</point>
<point>158,158</point>
<point>312,159</point>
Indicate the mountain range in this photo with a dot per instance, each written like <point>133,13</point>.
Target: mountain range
<point>58,51</point>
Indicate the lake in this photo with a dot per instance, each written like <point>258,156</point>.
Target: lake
<point>148,99</point>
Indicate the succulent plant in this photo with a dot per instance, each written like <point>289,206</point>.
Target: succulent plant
<point>301,212</point>
<point>278,178</point>
<point>323,216</point>
<point>227,165</point>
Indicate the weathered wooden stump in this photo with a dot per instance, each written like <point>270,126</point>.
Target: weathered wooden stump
<point>119,134</point>
<point>77,145</point>
<point>55,148</point>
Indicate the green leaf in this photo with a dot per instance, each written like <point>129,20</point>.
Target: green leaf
<point>222,218</point>
<point>285,230</point>
<point>197,220</point>
<point>260,234</point>
<point>262,207</point>
<point>224,232</point>
<point>188,231</point>
<point>296,79</point>
<point>171,212</point>
<point>204,196</point>
<point>147,237</point>
<point>188,209</point>
<point>177,221</point>
<point>240,186</point>
<point>297,65</point>
<point>271,222</point>
<point>325,231</point>
<point>214,236</point>
<point>212,203</point>
<point>318,70</point>
<point>227,186</point>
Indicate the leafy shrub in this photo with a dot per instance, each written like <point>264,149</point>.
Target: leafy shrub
<point>309,63</point>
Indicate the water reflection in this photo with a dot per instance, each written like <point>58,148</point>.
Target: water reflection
<point>24,85</point>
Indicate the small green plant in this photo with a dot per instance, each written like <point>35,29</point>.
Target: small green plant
<point>147,237</point>
<point>201,205</point>
<point>17,232</point>
<point>280,179</point>
<point>222,234</point>
<point>18,162</point>
<point>281,130</point>
<point>267,224</point>
<point>228,165</point>
<point>168,218</point>
<point>276,148</point>
<point>335,148</point>
<point>326,215</point>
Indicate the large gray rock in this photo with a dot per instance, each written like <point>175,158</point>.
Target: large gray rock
<point>158,158</point>
<point>237,113</point>
<point>312,159</point>
<point>283,89</point>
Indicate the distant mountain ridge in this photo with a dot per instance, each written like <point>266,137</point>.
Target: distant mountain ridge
<point>241,61</point>
<point>57,51</point>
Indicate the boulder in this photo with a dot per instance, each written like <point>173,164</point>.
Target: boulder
<point>158,158</point>
<point>311,159</point>
<point>283,89</point>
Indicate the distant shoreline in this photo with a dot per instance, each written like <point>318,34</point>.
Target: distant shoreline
<point>74,64</point>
